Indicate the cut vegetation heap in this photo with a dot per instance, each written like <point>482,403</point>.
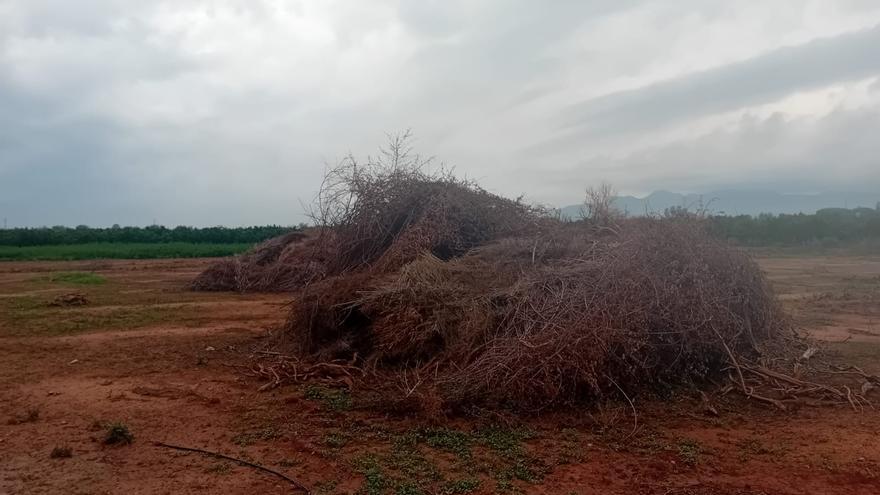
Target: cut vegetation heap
<point>466,296</point>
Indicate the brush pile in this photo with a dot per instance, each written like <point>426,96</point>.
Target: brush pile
<point>552,317</point>
<point>375,218</point>
<point>462,296</point>
<point>280,264</point>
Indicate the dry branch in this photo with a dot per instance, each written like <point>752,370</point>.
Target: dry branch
<point>295,483</point>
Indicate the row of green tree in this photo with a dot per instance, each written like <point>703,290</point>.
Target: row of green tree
<point>834,225</point>
<point>45,236</point>
<point>828,225</point>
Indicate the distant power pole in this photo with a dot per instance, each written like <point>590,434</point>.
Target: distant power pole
<point>4,223</point>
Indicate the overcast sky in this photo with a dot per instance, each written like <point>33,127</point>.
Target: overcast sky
<point>225,112</point>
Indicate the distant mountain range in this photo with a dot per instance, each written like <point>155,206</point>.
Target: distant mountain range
<point>737,202</point>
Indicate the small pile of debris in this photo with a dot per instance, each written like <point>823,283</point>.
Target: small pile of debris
<point>70,299</point>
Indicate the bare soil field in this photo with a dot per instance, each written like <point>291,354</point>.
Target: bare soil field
<point>134,347</point>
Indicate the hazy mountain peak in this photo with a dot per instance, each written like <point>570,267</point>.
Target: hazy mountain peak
<point>739,202</point>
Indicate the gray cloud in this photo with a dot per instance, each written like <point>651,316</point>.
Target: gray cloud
<point>761,79</point>
<point>773,153</point>
<point>226,111</point>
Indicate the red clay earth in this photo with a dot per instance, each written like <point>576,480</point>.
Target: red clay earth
<point>171,366</point>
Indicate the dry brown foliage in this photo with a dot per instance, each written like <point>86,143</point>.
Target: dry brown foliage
<point>284,263</point>
<point>376,216</point>
<point>549,318</point>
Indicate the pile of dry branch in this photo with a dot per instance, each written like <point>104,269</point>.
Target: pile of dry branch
<point>376,217</point>
<point>462,296</point>
<point>283,263</point>
<point>555,316</point>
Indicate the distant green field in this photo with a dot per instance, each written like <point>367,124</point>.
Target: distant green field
<point>119,251</point>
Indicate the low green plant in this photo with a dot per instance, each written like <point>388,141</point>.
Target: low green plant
<point>407,458</point>
<point>336,440</point>
<point>454,487</point>
<point>408,488</point>
<point>689,451</point>
<point>753,446</point>
<point>375,481</point>
<point>457,442</point>
<point>333,399</point>
<point>506,441</point>
<point>251,437</point>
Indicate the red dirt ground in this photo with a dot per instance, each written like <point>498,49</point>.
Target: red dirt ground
<point>169,364</point>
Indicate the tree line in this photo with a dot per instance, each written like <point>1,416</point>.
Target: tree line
<point>153,234</point>
<point>830,225</point>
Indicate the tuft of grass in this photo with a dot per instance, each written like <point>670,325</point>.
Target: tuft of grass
<point>118,434</point>
<point>454,487</point>
<point>333,399</point>
<point>752,447</point>
<point>689,451</point>
<point>219,468</point>
<point>62,452</point>
<point>522,468</point>
<point>79,278</point>
<point>251,437</point>
<point>408,488</point>
<point>650,442</point>
<point>326,487</point>
<point>336,440</point>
